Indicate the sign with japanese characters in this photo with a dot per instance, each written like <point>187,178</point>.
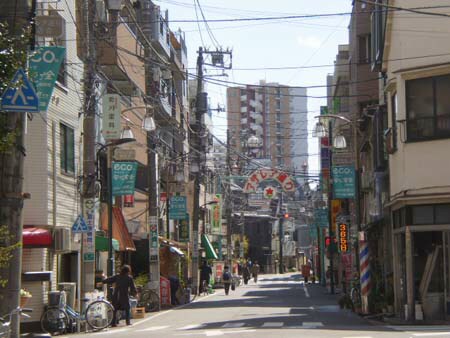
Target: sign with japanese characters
<point>44,69</point>
<point>111,117</point>
<point>183,230</point>
<point>284,179</point>
<point>216,217</point>
<point>177,207</point>
<point>321,218</point>
<point>123,178</point>
<point>343,237</point>
<point>343,182</point>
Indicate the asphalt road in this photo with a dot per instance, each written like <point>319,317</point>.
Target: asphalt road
<point>277,306</point>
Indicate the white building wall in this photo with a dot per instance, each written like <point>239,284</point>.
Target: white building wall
<point>299,127</point>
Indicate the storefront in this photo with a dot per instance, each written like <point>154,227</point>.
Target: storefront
<point>421,256</point>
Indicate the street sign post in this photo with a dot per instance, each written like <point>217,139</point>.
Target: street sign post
<point>20,96</point>
<point>44,69</point>
<point>111,116</point>
<point>80,225</point>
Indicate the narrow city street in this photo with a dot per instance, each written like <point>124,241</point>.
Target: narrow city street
<point>277,306</point>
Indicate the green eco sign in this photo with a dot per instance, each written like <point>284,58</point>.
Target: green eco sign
<point>44,68</point>
<point>177,207</point>
<point>123,178</point>
<point>343,182</point>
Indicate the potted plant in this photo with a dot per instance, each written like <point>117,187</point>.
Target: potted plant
<point>24,297</point>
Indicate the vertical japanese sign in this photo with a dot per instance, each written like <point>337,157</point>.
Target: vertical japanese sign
<point>154,244</point>
<point>88,237</point>
<point>123,178</point>
<point>335,210</point>
<point>216,219</point>
<point>321,218</point>
<point>183,230</point>
<point>177,207</point>
<point>44,67</point>
<point>343,237</point>
<point>343,182</point>
<point>111,116</point>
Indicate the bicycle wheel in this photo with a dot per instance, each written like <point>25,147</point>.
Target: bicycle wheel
<point>54,321</point>
<point>149,300</point>
<point>99,314</point>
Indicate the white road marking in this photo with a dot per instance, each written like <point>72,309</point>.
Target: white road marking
<point>357,337</point>
<point>410,328</point>
<point>212,333</point>
<point>273,324</point>
<point>112,331</point>
<point>311,324</point>
<point>153,328</point>
<point>192,327</point>
<point>306,291</point>
<point>233,325</point>
<point>431,334</point>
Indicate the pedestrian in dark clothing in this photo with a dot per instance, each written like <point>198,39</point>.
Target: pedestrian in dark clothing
<point>205,275</point>
<point>124,286</point>
<point>174,285</point>
<point>246,273</point>
<point>226,279</point>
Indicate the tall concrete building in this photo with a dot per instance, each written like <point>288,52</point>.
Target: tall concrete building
<point>274,113</point>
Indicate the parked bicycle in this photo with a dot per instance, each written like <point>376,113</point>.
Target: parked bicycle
<point>148,298</point>
<point>61,318</point>
<point>5,321</point>
<point>355,295</point>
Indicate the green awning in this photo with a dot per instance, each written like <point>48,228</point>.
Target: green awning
<point>210,252</point>
<point>101,243</point>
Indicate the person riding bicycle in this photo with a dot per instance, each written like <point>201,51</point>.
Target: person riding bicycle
<point>124,286</point>
<point>205,275</point>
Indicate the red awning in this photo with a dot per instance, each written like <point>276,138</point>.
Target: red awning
<point>36,237</point>
<point>120,230</point>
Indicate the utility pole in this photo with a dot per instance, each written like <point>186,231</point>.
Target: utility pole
<point>89,141</point>
<point>152,158</point>
<point>229,200</point>
<point>200,108</point>
<point>281,233</point>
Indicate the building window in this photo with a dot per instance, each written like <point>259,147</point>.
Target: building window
<point>428,214</point>
<point>67,143</point>
<point>365,51</point>
<point>428,108</point>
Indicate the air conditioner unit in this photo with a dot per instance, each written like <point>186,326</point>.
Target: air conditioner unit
<point>62,239</point>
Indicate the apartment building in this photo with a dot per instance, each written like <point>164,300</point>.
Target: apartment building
<point>276,115</point>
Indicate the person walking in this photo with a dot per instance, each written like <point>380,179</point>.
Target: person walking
<point>246,273</point>
<point>255,271</point>
<point>205,275</point>
<point>124,286</point>
<point>306,271</point>
<point>226,279</point>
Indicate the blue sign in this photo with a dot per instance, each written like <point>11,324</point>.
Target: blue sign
<point>321,218</point>
<point>20,96</point>
<point>123,178</point>
<point>343,182</point>
<point>177,207</point>
<point>80,225</point>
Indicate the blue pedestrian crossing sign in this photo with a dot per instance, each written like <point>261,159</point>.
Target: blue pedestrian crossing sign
<point>20,96</point>
<point>80,225</point>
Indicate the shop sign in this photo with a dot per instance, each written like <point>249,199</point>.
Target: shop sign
<point>321,218</point>
<point>183,229</point>
<point>123,178</point>
<point>177,207</point>
<point>216,220</point>
<point>111,117</point>
<point>343,182</point>
<point>343,237</point>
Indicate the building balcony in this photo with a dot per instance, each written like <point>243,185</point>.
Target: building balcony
<point>243,109</point>
<point>243,98</point>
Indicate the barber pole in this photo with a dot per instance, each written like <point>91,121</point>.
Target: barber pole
<point>364,275</point>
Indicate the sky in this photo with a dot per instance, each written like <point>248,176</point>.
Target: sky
<point>264,44</point>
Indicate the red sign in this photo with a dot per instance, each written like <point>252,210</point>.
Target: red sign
<point>163,197</point>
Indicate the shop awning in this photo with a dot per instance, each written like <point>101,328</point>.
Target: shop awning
<point>36,237</point>
<point>209,249</point>
<point>177,251</point>
<point>101,244</point>
<point>120,231</point>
